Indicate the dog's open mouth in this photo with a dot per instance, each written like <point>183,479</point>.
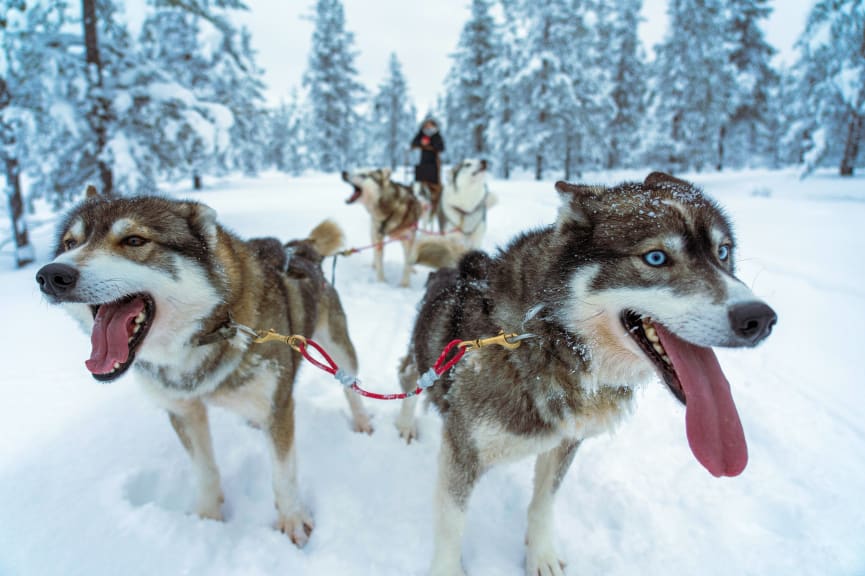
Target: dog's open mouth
<point>355,195</point>
<point>119,328</point>
<point>695,377</point>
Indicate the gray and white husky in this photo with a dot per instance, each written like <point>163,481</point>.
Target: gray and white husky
<point>465,200</point>
<point>163,289</point>
<point>630,283</point>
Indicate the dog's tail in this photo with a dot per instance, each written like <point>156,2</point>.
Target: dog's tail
<point>327,238</point>
<point>438,251</point>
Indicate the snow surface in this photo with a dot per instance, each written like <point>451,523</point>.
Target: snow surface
<point>94,482</point>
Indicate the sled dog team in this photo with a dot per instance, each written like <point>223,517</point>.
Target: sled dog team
<point>629,284</point>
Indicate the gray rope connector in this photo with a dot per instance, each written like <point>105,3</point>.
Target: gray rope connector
<point>345,378</point>
<point>427,379</point>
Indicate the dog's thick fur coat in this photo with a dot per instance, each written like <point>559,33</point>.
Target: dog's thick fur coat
<point>164,289</point>
<point>629,283</point>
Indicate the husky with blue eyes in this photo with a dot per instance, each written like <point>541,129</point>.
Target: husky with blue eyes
<point>631,284</point>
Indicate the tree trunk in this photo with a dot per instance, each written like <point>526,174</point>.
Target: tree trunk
<point>722,134</point>
<point>99,111</point>
<point>539,167</point>
<point>851,146</point>
<point>23,248</point>
<point>567,159</point>
<point>196,181</point>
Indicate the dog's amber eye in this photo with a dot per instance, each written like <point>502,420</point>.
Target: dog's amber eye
<point>134,241</point>
<point>70,243</point>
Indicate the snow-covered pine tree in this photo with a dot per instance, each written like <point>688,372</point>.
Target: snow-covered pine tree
<point>286,149</point>
<point>44,74</point>
<point>334,91</point>
<point>186,132</point>
<point>237,84</point>
<point>692,87</point>
<point>471,84</point>
<point>221,75</point>
<point>392,119</point>
<point>503,130</point>
<point>622,57</point>
<point>9,150</point>
<point>562,105</point>
<point>831,79</point>
<point>748,134</point>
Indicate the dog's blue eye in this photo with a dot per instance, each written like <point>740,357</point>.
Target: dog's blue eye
<point>655,258</point>
<point>724,252</point>
<point>135,241</point>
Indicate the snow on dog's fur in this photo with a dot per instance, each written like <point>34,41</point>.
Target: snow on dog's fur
<point>163,289</point>
<point>629,283</point>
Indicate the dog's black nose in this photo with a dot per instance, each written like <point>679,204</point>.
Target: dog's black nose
<point>57,279</point>
<point>752,321</point>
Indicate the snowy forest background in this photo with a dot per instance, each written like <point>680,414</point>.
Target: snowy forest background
<point>553,87</point>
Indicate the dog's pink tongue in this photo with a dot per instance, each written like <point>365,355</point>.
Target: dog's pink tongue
<point>112,328</point>
<point>714,430</point>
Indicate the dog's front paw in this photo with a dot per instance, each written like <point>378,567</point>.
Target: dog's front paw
<point>407,428</point>
<point>362,424</point>
<point>210,510</point>
<point>297,526</point>
<point>543,561</point>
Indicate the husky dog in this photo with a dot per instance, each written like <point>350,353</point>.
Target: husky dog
<point>630,283</point>
<point>394,211</point>
<point>164,289</point>
<point>465,201</point>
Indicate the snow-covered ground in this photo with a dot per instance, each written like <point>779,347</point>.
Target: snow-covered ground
<point>94,482</point>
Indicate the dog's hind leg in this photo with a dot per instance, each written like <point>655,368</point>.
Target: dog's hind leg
<point>550,469</point>
<point>292,519</point>
<point>331,332</point>
<point>189,419</point>
<point>458,471</point>
<point>408,378</point>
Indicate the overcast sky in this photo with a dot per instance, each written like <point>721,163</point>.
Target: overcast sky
<point>424,33</point>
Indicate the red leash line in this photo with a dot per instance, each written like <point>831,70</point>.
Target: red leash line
<point>442,365</point>
<point>427,379</point>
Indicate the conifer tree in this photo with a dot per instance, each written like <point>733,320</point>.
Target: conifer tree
<point>692,87</point>
<point>748,134</point>
<point>392,119</point>
<point>830,75</point>
<point>471,84</point>
<point>333,89</point>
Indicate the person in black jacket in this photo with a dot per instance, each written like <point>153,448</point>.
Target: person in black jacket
<point>428,172</point>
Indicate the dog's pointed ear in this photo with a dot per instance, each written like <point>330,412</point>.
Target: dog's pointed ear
<point>657,178</point>
<point>575,198</point>
<point>91,192</point>
<point>202,220</point>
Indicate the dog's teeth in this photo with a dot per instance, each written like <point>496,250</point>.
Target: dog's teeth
<point>141,317</point>
<point>117,365</point>
<point>651,334</point>
<point>658,348</point>
<point>136,329</point>
<point>129,340</point>
<point>666,359</point>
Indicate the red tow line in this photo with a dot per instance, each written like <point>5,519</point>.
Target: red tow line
<point>446,360</point>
